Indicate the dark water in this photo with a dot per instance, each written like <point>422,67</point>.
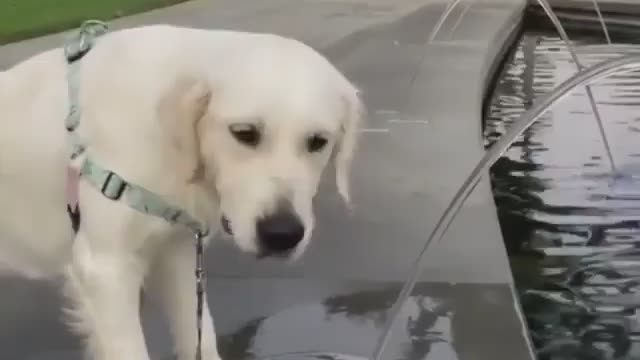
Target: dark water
<point>571,229</point>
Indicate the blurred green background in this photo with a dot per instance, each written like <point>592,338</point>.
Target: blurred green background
<point>23,19</point>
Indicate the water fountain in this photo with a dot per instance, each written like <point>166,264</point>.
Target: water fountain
<point>583,78</point>
<point>594,108</point>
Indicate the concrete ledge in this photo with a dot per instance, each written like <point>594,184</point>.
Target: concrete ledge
<point>424,135</point>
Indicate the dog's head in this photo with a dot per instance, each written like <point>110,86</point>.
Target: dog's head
<point>262,133</point>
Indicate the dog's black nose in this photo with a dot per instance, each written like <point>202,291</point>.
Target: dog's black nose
<point>280,232</point>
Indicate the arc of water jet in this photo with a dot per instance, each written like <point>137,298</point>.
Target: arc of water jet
<point>602,23</point>
<point>563,34</point>
<point>443,17</point>
<point>460,17</point>
<point>541,106</point>
<point>436,29</point>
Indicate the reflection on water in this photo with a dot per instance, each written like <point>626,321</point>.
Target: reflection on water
<point>427,324</point>
<point>439,322</point>
<point>428,319</point>
<point>572,231</point>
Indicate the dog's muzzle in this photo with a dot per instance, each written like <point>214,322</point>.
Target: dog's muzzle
<point>279,233</point>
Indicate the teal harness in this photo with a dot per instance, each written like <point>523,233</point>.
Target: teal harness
<point>110,184</point>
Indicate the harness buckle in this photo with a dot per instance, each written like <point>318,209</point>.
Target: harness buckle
<point>113,186</point>
<point>88,31</point>
<point>76,53</point>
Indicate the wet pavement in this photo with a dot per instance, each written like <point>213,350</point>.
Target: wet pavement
<point>572,230</point>
<point>267,317</point>
<point>423,136</point>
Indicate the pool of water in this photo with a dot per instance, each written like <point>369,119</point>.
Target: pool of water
<point>572,231</point>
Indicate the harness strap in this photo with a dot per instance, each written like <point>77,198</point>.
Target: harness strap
<point>114,187</point>
<point>78,46</point>
<point>110,184</point>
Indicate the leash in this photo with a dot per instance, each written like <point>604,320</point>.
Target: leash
<point>110,184</point>
<point>200,286</point>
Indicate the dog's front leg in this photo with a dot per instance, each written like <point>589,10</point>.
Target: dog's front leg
<point>104,287</point>
<point>173,283</point>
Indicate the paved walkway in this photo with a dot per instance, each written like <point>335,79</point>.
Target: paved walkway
<point>423,137</point>
<point>318,22</point>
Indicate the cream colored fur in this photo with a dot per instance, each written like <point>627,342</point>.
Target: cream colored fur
<point>157,104</point>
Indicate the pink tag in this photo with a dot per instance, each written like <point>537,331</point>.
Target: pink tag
<point>73,176</point>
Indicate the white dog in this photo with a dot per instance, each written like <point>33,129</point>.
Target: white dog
<point>235,128</point>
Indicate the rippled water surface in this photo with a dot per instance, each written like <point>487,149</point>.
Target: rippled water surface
<point>572,230</point>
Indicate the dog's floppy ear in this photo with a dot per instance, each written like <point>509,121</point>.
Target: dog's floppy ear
<point>346,143</point>
<point>181,109</point>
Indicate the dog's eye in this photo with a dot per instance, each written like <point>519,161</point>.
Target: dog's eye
<point>246,134</point>
<point>315,143</point>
